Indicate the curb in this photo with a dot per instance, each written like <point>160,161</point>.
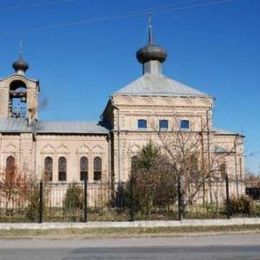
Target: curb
<point>134,224</point>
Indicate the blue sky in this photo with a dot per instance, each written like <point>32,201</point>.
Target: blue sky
<point>212,47</point>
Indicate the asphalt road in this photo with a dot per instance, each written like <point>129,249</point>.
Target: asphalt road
<point>236,246</point>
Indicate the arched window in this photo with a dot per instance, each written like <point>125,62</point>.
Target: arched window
<point>97,168</point>
<point>185,124</point>
<point>134,164</point>
<point>48,168</point>
<point>62,169</point>
<point>240,168</point>
<point>18,99</point>
<point>10,164</point>
<point>83,168</point>
<point>142,123</point>
<point>223,171</point>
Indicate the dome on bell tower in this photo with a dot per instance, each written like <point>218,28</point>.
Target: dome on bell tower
<point>151,55</point>
<point>20,66</point>
<point>151,52</point>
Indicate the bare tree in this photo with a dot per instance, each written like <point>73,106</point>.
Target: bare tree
<point>14,185</point>
<point>198,167</point>
<point>252,179</point>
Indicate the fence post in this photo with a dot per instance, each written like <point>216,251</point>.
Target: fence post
<point>227,197</point>
<point>131,200</point>
<point>85,217</point>
<point>179,198</point>
<point>41,203</point>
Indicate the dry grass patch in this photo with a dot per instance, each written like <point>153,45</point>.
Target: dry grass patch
<point>122,232</point>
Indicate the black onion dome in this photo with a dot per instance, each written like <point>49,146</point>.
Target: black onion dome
<point>151,52</point>
<point>20,64</point>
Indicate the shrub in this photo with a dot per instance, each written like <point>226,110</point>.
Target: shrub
<point>240,205</point>
<point>32,210</point>
<point>73,199</point>
<point>152,185</point>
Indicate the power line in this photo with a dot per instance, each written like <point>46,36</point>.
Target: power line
<point>217,2</point>
<point>188,4</point>
<point>54,2</point>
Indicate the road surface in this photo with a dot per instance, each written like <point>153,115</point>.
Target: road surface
<point>235,246</point>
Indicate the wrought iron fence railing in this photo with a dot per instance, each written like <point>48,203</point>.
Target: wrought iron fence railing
<point>106,201</point>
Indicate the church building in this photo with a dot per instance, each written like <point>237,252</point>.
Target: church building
<point>101,152</point>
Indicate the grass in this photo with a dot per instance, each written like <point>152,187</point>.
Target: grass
<point>123,232</point>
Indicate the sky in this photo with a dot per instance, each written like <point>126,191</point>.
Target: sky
<point>84,50</point>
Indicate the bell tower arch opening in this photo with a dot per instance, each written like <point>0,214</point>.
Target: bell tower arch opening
<point>17,99</point>
<point>19,94</point>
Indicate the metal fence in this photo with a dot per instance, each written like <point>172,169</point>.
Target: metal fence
<point>82,202</point>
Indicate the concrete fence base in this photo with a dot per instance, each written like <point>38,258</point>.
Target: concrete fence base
<point>134,224</point>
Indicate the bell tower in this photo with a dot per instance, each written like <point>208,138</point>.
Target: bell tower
<point>19,94</point>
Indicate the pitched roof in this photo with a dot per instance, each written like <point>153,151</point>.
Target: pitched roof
<point>19,125</point>
<point>14,125</point>
<point>223,131</point>
<point>158,85</point>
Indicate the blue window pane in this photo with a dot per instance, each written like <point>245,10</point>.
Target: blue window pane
<point>142,123</point>
<point>163,124</point>
<point>185,124</point>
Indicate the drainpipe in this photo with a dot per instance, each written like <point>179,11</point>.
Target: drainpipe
<point>1,152</point>
<point>20,152</point>
<point>34,139</point>
<point>208,151</point>
<point>235,148</point>
<point>203,166</point>
<point>118,145</point>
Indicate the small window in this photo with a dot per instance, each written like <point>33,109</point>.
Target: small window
<point>48,166</point>
<point>142,123</point>
<point>97,168</point>
<point>83,168</point>
<point>163,124</point>
<point>62,169</point>
<point>185,124</point>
